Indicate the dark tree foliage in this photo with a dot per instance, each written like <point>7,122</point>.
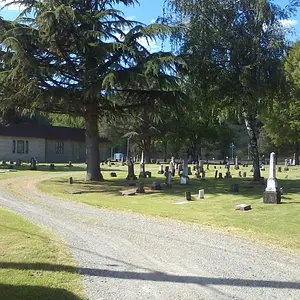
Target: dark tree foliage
<point>82,58</point>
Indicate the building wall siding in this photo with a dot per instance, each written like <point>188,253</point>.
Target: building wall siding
<point>36,148</point>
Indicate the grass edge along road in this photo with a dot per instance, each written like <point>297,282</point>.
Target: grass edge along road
<point>34,264</point>
<point>267,223</point>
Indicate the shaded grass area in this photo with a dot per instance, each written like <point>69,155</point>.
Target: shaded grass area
<point>24,245</point>
<point>270,223</point>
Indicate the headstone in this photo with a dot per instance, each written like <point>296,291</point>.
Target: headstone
<point>215,167</point>
<point>131,175</point>
<point>52,167</point>
<point>279,169</point>
<point>286,168</point>
<point>201,194</point>
<point>294,160</point>
<point>18,162</point>
<point>172,166</point>
<point>140,188</point>
<point>128,193</point>
<point>113,174</point>
<point>156,186</point>
<point>189,171</point>
<point>262,167</point>
<point>188,196</point>
<point>234,188</point>
<point>33,164</point>
<point>161,170</point>
<point>220,175</point>
<point>240,173</point>
<point>201,165</point>
<point>243,207</point>
<point>71,180</point>
<point>184,180</point>
<point>216,174</point>
<point>236,165</point>
<point>207,167</point>
<point>142,167</point>
<point>244,174</point>
<point>166,172</point>
<point>203,174</point>
<point>272,193</point>
<point>185,166</point>
<point>148,174</point>
<point>3,163</point>
<point>169,179</point>
<point>70,164</point>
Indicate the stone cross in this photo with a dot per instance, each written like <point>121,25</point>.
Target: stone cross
<point>272,185</point>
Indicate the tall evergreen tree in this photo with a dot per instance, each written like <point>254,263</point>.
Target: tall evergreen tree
<point>81,58</point>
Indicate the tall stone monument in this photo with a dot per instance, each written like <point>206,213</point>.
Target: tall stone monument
<point>272,193</point>
<point>142,167</point>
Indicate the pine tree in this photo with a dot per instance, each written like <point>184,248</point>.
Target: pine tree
<point>82,58</point>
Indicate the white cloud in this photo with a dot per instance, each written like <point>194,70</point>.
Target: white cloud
<point>288,23</point>
<point>17,7</point>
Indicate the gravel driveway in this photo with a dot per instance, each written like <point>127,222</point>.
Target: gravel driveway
<point>125,256</point>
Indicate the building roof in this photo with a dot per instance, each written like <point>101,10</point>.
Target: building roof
<point>35,130</point>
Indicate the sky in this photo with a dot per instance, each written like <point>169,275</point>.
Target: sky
<point>148,11</point>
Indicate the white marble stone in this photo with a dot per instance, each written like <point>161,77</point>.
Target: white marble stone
<point>272,185</point>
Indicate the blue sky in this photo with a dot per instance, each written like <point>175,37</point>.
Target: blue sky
<point>149,10</point>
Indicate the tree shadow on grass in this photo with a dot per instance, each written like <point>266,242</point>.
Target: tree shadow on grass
<point>33,292</point>
<point>153,276</point>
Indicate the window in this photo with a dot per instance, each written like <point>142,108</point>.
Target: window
<point>14,146</point>
<point>59,147</point>
<point>20,146</point>
<point>26,147</point>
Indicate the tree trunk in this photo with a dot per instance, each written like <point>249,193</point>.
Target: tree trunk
<point>252,130</point>
<point>92,144</point>
<point>297,150</point>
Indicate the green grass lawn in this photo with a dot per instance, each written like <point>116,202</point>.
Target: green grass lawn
<point>34,264</point>
<point>278,224</point>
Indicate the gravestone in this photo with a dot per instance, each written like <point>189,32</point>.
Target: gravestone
<point>294,160</point>
<point>244,174</point>
<point>286,168</point>
<point>234,188</point>
<point>142,167</point>
<point>33,164</point>
<point>184,177</point>
<point>236,165</point>
<point>160,170</point>
<point>166,172</point>
<point>279,169</point>
<point>52,167</point>
<point>220,175</point>
<point>156,186</point>
<point>216,174</point>
<point>243,207</point>
<point>201,194</point>
<point>207,167</point>
<point>172,166</point>
<point>18,162</point>
<point>113,174</point>
<point>169,179</point>
<point>188,196</point>
<point>189,171</point>
<point>240,173</point>
<point>203,174</point>
<point>272,193</point>
<point>215,167</point>
<point>70,164</point>
<point>140,188</point>
<point>148,174</point>
<point>71,180</point>
<point>131,175</point>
